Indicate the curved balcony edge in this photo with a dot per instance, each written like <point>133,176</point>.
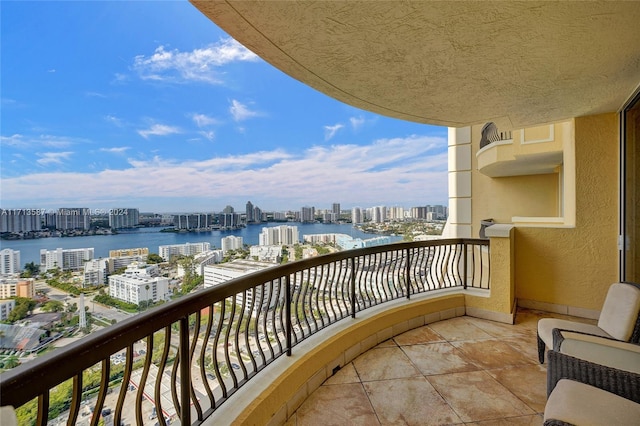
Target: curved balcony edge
<point>291,380</point>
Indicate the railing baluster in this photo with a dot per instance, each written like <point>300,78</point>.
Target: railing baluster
<point>311,294</point>
<point>287,309</point>
<point>185,373</point>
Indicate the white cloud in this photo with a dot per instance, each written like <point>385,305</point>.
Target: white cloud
<point>330,131</point>
<point>203,120</point>
<point>158,130</point>
<point>30,142</point>
<point>388,171</point>
<point>209,135</point>
<point>357,122</point>
<point>113,120</point>
<point>198,65</point>
<point>47,158</point>
<point>116,149</point>
<point>241,112</point>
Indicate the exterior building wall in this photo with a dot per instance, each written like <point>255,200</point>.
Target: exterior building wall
<point>20,220</point>
<point>576,266</point>
<point>567,259</point>
<point>134,289</point>
<point>66,260</point>
<point>124,218</point>
<point>140,251</point>
<point>231,243</point>
<point>9,261</point>
<point>188,249</point>
<point>6,306</point>
<point>17,287</point>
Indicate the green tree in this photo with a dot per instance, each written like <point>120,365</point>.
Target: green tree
<point>53,306</point>
<point>30,270</point>
<point>154,258</point>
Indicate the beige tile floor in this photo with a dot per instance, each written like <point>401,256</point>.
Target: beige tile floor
<point>460,371</point>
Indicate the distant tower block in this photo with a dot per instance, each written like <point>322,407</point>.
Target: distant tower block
<point>83,319</point>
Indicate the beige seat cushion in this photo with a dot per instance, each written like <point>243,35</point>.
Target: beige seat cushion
<point>611,353</point>
<point>580,404</point>
<point>8,416</point>
<point>546,326</point>
<point>620,311</point>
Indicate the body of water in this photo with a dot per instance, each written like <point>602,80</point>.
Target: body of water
<point>152,238</point>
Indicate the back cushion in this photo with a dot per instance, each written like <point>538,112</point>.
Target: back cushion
<point>620,311</point>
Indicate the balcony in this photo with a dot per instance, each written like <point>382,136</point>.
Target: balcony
<point>454,371</point>
<point>198,357</point>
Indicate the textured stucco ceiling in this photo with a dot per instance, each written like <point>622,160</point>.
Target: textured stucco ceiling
<point>449,63</point>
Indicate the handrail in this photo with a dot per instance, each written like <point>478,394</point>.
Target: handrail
<point>201,348</point>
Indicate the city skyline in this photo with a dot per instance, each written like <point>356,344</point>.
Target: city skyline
<point>109,104</point>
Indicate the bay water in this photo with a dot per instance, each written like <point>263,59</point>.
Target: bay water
<point>152,238</point>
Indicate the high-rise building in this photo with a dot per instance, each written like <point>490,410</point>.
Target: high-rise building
<point>73,218</point>
<point>308,214</point>
<point>249,211</point>
<point>20,220</point>
<point>356,215</point>
<point>335,208</point>
<point>231,243</point>
<point>229,220</point>
<point>9,261</point>
<point>257,214</point>
<point>279,235</point>
<point>66,260</point>
<point>120,218</point>
<point>192,221</point>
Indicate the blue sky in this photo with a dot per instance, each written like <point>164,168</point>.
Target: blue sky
<point>151,105</point>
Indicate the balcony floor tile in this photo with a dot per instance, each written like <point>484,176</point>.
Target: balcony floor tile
<point>461,370</point>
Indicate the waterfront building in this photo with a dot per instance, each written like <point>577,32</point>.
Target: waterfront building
<point>279,235</point>
<point>14,286</point>
<point>140,251</point>
<point>257,215</point>
<point>395,213</point>
<point>279,216</point>
<point>308,214</point>
<point>9,261</point>
<point>96,272</point>
<point>378,214</point>
<point>73,218</point>
<point>192,221</point>
<point>66,260</point>
<point>272,254</point>
<point>249,212</point>
<point>135,287</point>
<point>231,243</point>
<point>229,220</point>
<point>20,220</point>
<point>121,218</point>
<point>187,249</point>
<point>356,215</point>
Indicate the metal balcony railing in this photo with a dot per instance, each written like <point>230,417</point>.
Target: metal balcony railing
<point>183,360</point>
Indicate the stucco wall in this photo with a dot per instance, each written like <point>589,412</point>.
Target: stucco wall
<point>575,266</point>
